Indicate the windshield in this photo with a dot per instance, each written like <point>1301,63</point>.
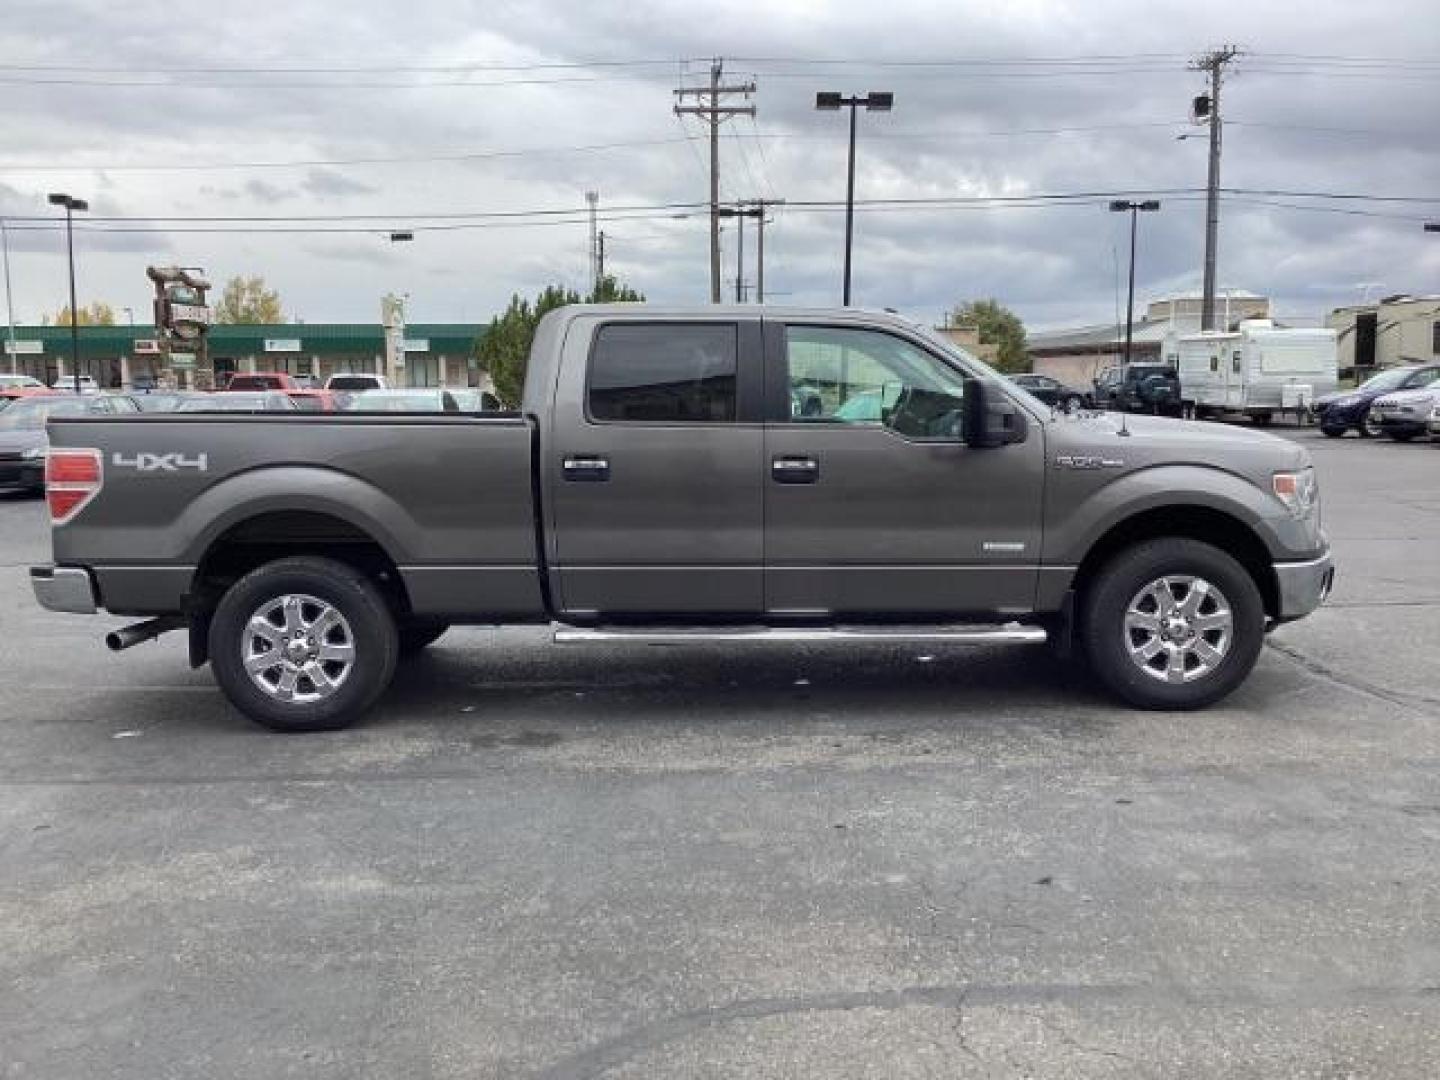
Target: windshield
<point>30,415</point>
<point>1387,380</point>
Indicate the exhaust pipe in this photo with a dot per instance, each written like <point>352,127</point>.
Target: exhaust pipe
<point>140,632</point>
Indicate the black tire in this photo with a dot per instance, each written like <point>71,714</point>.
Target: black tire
<point>1370,429</point>
<point>416,634</point>
<point>1330,431</point>
<point>1403,436</point>
<point>1261,419</point>
<point>348,591</point>
<point>1106,639</point>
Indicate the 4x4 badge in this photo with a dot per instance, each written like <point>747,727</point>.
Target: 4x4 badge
<point>1082,461</point>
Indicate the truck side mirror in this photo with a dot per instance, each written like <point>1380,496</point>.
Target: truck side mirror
<point>991,418</point>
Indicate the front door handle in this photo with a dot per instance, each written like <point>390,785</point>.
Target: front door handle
<point>585,468</point>
<point>797,469</point>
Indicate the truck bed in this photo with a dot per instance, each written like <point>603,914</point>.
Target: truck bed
<point>448,500</point>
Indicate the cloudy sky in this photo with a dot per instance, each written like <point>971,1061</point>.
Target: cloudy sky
<point>330,115</point>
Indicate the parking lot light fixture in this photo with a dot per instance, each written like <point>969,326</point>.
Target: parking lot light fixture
<point>1134,209</point>
<point>833,101</point>
<point>71,204</point>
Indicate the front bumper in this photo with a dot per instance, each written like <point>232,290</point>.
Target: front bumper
<point>1303,586</point>
<point>1391,424</point>
<point>64,588</point>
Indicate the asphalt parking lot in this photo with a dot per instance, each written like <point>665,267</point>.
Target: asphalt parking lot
<point>810,862</point>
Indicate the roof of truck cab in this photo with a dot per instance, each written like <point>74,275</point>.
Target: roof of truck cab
<point>733,311</point>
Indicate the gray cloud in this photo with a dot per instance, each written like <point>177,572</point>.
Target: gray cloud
<point>953,131</point>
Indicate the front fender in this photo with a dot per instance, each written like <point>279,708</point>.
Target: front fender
<point>1079,514</point>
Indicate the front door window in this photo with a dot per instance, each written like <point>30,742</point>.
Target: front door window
<point>845,376</point>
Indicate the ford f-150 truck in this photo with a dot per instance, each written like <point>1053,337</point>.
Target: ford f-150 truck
<point>659,484</point>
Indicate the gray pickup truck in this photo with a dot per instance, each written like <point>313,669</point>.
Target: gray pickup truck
<point>737,474</point>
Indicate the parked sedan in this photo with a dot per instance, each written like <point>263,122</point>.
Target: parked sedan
<point>21,382</point>
<point>23,439</point>
<point>1053,392</point>
<point>237,401</point>
<point>1403,415</point>
<point>403,401</point>
<point>1338,413</point>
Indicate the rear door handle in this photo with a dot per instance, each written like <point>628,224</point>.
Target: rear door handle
<point>799,469</point>
<point>586,468</point>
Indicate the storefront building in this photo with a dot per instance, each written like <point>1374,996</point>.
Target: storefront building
<point>436,354</point>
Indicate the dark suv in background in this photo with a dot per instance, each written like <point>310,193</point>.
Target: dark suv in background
<point>1139,388</point>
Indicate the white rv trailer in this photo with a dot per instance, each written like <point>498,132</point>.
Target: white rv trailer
<point>1258,369</point>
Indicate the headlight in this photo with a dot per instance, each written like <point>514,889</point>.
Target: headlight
<point>1297,490</point>
<point>34,453</point>
<point>1346,402</point>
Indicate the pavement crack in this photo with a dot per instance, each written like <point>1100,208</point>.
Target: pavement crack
<point>1351,682</point>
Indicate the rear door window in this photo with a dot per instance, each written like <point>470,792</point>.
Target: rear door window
<point>664,373</point>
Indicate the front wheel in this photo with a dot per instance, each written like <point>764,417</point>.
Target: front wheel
<point>303,644</point>
<point>1172,624</point>
<point>1332,431</point>
<point>1370,428</point>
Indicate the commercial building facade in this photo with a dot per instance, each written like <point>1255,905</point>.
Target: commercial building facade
<point>436,354</point>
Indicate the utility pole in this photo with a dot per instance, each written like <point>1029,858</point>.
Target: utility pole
<point>746,208</point>
<point>593,198</point>
<point>759,208</point>
<point>1213,62</point>
<point>599,260</point>
<point>714,113</point>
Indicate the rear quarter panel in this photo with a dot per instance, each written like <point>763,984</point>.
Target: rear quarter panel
<point>448,498</point>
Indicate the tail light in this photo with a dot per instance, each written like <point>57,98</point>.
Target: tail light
<point>72,479</point>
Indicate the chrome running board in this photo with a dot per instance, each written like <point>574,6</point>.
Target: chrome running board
<point>1007,634</point>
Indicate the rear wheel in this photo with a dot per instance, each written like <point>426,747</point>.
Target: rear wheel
<point>303,644</point>
<point>1172,624</point>
<point>1331,431</point>
<point>1403,436</point>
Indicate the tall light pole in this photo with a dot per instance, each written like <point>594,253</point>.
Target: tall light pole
<point>1121,206</point>
<point>71,204</point>
<point>875,101</point>
<point>9,305</point>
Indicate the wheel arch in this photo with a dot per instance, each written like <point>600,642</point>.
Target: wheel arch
<point>1206,524</point>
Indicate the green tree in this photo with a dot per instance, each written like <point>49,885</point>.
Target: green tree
<point>96,314</point>
<point>504,349</point>
<point>247,300</point>
<point>999,326</point>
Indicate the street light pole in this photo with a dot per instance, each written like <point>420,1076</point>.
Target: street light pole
<point>875,101</point>
<point>71,204</point>
<point>9,304</point>
<point>1121,206</point>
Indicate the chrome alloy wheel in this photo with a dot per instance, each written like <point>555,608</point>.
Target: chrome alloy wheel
<point>298,648</point>
<point>1178,628</point>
